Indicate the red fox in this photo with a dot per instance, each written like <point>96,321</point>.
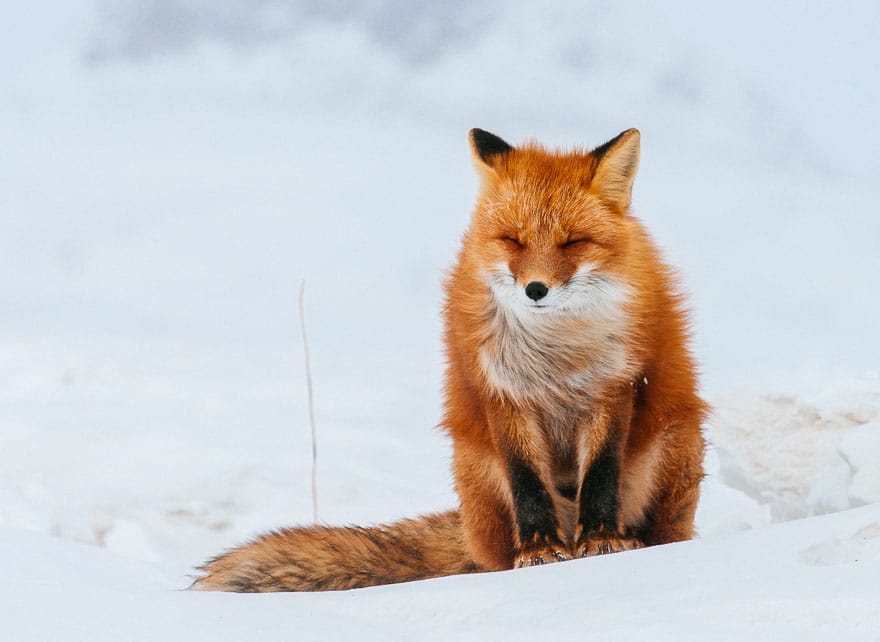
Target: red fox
<point>570,392</point>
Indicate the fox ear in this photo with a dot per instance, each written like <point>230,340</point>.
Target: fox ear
<point>486,147</point>
<point>616,165</point>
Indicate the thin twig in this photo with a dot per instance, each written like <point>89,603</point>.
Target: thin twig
<point>302,321</point>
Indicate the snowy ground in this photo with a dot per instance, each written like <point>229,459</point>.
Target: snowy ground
<point>812,580</point>
<point>164,190</point>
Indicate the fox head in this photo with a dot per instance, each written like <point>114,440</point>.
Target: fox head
<point>550,230</point>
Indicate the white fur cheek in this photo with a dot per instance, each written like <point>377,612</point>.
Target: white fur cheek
<point>590,293</point>
<point>504,287</point>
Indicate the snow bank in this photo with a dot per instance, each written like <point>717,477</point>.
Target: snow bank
<point>802,455</point>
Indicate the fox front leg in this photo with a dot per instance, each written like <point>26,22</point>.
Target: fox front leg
<point>599,528</point>
<point>535,526</point>
<point>540,541</point>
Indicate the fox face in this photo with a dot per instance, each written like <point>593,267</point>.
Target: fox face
<point>550,240</point>
<point>549,230</point>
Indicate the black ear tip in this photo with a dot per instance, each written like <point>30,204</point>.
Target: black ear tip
<point>602,149</point>
<point>487,145</point>
<point>477,135</point>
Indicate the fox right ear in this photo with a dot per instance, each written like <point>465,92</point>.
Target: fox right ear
<point>487,148</point>
<point>617,162</point>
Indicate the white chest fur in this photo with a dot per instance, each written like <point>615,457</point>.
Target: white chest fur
<point>579,348</point>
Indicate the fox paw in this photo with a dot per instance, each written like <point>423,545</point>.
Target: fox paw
<point>541,552</point>
<point>602,544</point>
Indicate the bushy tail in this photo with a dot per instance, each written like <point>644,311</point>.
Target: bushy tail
<point>323,558</point>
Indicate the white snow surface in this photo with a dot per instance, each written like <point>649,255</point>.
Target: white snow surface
<point>171,171</point>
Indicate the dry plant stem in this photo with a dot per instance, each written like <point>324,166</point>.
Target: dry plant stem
<point>302,321</point>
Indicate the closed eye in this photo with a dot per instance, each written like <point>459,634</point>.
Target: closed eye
<point>511,240</point>
<point>577,241</point>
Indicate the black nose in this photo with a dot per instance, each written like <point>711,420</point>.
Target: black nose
<point>536,290</point>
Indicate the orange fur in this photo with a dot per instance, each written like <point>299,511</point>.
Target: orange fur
<point>575,426</point>
<point>322,558</point>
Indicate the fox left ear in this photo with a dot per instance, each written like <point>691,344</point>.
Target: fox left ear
<point>616,165</point>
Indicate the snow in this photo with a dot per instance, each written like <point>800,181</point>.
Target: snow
<point>164,191</point>
<point>801,458</point>
<point>806,580</point>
